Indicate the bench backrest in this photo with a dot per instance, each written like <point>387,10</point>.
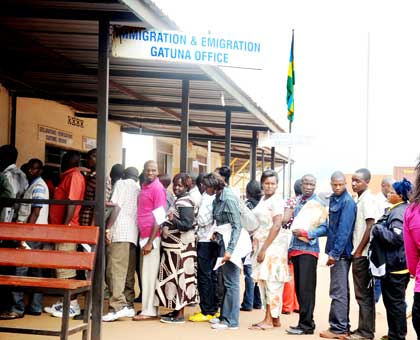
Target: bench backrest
<point>49,234</point>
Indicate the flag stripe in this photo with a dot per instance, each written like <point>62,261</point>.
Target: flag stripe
<point>290,83</point>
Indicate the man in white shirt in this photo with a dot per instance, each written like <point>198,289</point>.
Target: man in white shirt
<point>34,214</point>
<point>367,213</point>
<point>122,239</point>
<point>13,177</point>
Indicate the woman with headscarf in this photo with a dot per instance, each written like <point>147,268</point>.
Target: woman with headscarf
<point>387,235</point>
<point>177,280</point>
<point>270,268</point>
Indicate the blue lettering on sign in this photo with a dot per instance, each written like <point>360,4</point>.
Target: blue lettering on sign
<point>153,36</point>
<point>167,52</point>
<point>215,57</point>
<point>228,44</point>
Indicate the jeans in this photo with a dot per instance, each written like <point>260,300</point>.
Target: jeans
<point>207,277</point>
<point>416,314</point>
<point>393,295</point>
<point>340,297</point>
<point>305,284</point>
<point>231,304</point>
<point>36,301</point>
<point>363,291</point>
<point>377,289</point>
<point>248,299</point>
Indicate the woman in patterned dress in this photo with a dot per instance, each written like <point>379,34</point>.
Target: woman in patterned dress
<point>177,280</point>
<point>270,267</point>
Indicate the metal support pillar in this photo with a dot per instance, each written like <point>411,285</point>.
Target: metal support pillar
<point>13,120</point>
<point>284,180</point>
<point>273,158</point>
<point>254,155</point>
<point>262,160</point>
<point>185,112</point>
<point>228,137</point>
<point>103,92</point>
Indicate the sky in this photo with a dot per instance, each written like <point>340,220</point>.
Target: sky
<point>357,69</point>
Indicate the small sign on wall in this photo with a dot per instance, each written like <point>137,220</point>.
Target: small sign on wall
<point>73,121</point>
<point>53,135</point>
<point>88,143</point>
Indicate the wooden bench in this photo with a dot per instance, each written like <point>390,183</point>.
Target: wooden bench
<point>66,288</point>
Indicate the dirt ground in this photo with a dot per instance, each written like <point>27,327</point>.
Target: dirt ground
<point>129,330</point>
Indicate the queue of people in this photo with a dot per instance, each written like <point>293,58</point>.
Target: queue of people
<point>175,254</point>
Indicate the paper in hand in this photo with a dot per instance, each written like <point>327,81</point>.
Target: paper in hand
<point>160,215</point>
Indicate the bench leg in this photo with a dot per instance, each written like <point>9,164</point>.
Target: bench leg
<point>65,318</point>
<point>86,318</point>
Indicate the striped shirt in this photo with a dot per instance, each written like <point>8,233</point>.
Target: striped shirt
<point>37,190</point>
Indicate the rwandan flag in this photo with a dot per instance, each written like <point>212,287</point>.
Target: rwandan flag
<point>291,83</point>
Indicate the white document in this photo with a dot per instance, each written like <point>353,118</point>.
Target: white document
<point>219,263</point>
<point>243,247</point>
<point>160,215</point>
<point>87,247</point>
<point>143,242</point>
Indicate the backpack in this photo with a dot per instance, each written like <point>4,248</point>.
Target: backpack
<point>248,219</point>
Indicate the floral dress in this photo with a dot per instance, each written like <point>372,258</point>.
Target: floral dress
<point>273,272</point>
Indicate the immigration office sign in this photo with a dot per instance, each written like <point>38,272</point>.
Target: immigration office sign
<point>222,50</point>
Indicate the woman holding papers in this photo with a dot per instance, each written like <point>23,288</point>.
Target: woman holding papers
<point>177,281</point>
<point>270,264</point>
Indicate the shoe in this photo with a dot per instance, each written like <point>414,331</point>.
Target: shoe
<point>11,316</point>
<point>356,336</point>
<point>223,326</point>
<point>56,307</point>
<point>257,307</point>
<point>200,317</point>
<point>138,299</point>
<point>246,309</point>
<point>331,335</point>
<point>74,310</point>
<point>122,313</point>
<point>214,321</point>
<point>172,319</point>
<point>299,331</point>
<point>31,312</point>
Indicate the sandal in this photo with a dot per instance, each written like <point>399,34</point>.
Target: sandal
<point>259,327</point>
<point>10,316</point>
<point>141,317</point>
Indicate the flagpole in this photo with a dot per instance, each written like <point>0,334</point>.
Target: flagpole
<point>289,159</point>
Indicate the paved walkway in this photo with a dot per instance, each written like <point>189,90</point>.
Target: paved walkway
<point>154,330</point>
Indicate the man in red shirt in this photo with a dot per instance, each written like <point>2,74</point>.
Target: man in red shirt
<point>71,187</point>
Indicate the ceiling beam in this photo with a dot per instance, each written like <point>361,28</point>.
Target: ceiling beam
<point>171,122</point>
<point>135,102</point>
<point>192,137</point>
<point>14,11</point>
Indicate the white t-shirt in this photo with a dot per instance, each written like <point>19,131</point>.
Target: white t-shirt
<point>367,207</point>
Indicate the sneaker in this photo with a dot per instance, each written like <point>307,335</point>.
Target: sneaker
<point>56,307</point>
<point>223,326</point>
<point>122,313</point>
<point>131,312</point>
<point>172,319</point>
<point>200,317</point>
<point>214,320</point>
<point>74,310</point>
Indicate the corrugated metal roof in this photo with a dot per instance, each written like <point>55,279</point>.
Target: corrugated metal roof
<point>49,50</point>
